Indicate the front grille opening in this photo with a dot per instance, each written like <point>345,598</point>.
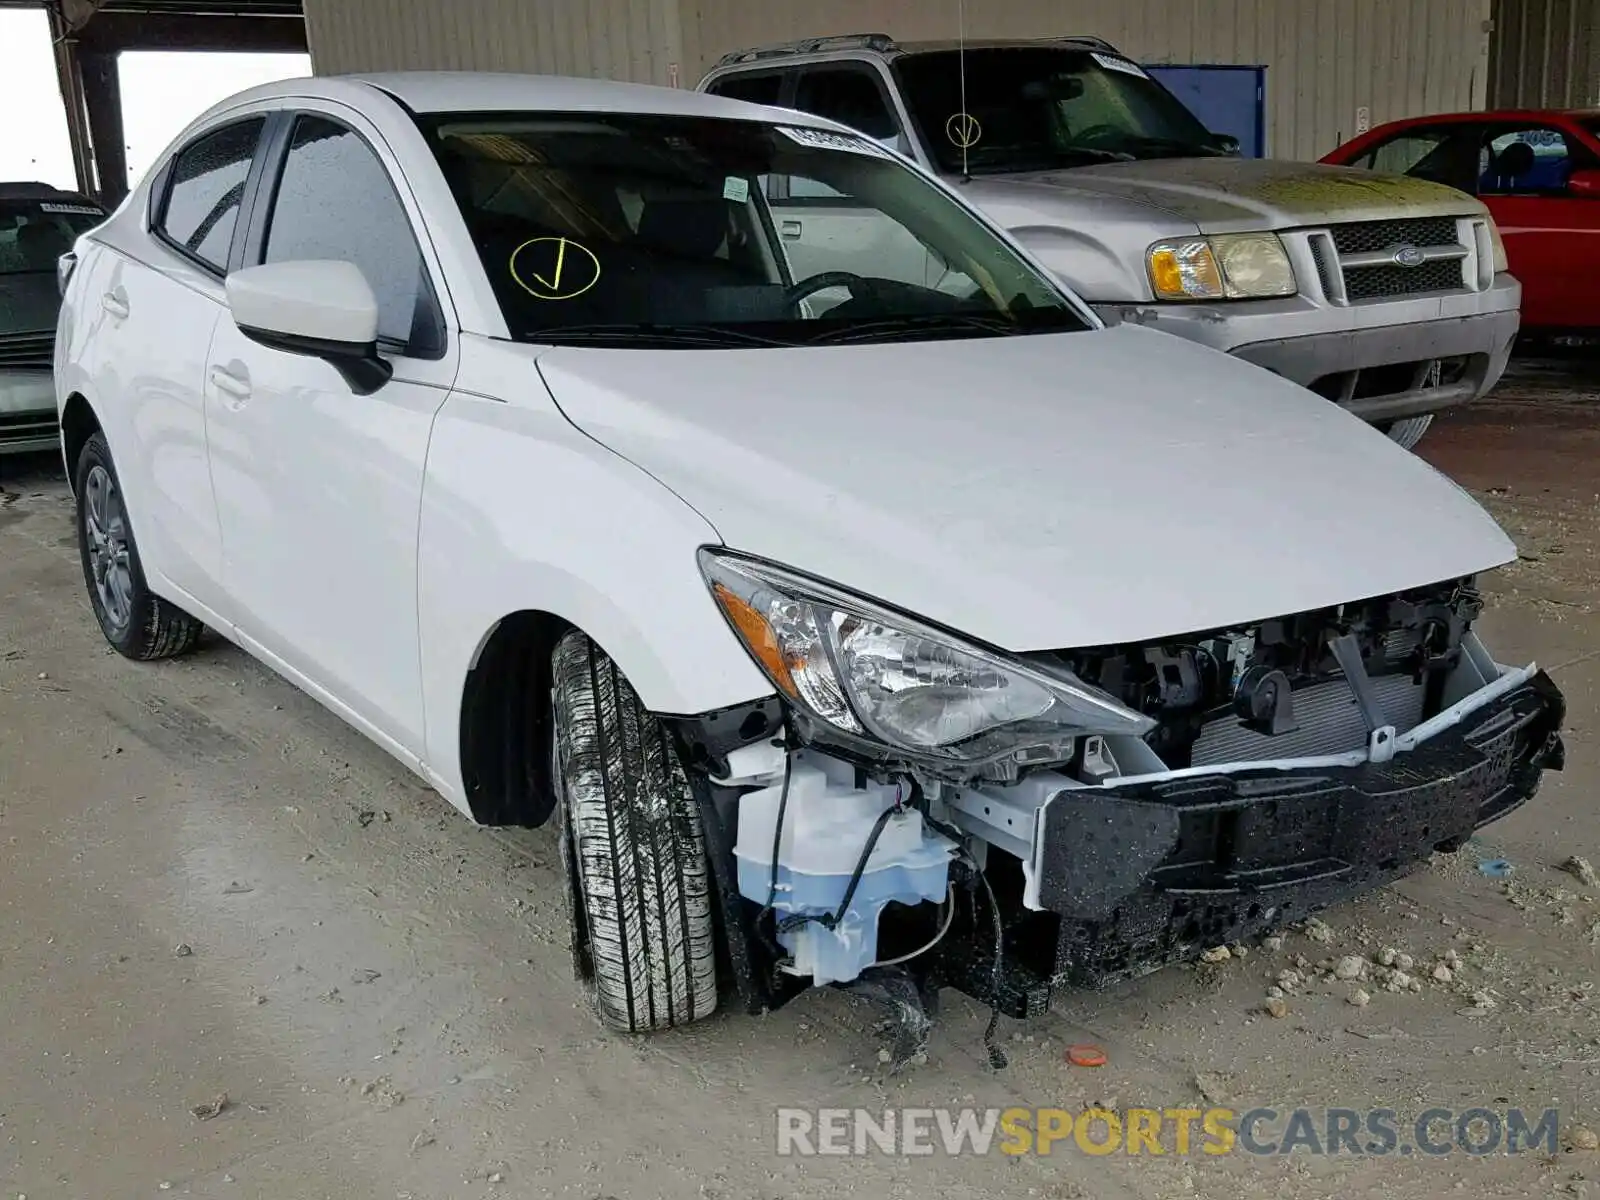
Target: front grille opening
<point>1361,237</point>
<point>1387,380</point>
<point>1327,272</point>
<point>28,351</point>
<point>1331,387</point>
<point>1372,283</point>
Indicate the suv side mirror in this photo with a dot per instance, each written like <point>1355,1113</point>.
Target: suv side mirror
<point>320,308</point>
<point>1585,183</point>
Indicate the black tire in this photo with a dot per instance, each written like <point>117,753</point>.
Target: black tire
<point>138,623</point>
<point>633,840</point>
<point>1408,431</point>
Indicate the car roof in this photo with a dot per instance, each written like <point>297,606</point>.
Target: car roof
<point>435,92</point>
<point>28,190</point>
<point>773,55</point>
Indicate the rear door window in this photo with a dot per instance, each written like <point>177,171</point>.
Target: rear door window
<point>206,190</point>
<point>754,88</point>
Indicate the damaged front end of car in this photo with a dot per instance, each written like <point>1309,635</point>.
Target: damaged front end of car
<point>1010,823</point>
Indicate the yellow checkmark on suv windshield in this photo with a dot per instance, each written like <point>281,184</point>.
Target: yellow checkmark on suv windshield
<point>554,268</point>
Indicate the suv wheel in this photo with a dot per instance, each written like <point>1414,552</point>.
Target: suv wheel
<point>138,623</point>
<point>633,842</point>
<point>1408,431</point>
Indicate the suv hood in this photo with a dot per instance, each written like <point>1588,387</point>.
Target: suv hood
<point>1035,492</point>
<point>1221,195</point>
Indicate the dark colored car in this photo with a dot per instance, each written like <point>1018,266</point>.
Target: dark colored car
<point>38,224</point>
<point>1538,171</point>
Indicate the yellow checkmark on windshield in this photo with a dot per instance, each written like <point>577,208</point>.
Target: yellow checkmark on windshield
<point>554,268</point>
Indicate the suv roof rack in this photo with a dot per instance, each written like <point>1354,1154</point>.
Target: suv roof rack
<point>880,42</point>
<point>1099,43</point>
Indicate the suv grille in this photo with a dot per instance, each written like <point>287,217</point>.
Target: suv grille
<point>1346,281</point>
<point>1364,236</point>
<point>1371,283</point>
<point>28,351</point>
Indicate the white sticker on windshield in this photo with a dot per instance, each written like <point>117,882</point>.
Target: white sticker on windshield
<point>736,189</point>
<point>822,139</point>
<point>1112,63</point>
<point>47,206</point>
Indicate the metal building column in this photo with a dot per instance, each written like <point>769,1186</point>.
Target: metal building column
<point>102,93</point>
<point>70,80</point>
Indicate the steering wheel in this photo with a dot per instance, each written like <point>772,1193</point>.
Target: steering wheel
<point>810,286</point>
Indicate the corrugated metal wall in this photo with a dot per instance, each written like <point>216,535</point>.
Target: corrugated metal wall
<point>1327,60</point>
<point>638,40</point>
<point>1546,54</point>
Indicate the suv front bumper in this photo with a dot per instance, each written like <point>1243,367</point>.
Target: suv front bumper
<point>1373,358</point>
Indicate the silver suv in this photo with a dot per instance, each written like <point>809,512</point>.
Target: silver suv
<point>1387,295</point>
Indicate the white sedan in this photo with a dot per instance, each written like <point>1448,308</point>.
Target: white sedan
<point>892,622</point>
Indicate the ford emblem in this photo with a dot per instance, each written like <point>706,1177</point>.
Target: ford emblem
<point>1409,256</point>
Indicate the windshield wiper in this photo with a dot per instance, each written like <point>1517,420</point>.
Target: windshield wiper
<point>1183,148</point>
<point>932,323</point>
<point>697,336</point>
<point>1007,160</point>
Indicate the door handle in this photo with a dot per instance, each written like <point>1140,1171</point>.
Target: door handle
<point>114,304</point>
<point>229,384</point>
<point>791,230</point>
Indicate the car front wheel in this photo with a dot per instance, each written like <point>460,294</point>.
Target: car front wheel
<point>633,840</point>
<point>138,623</point>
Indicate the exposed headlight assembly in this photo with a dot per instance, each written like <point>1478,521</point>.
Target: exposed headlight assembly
<point>869,674</point>
<point>1238,266</point>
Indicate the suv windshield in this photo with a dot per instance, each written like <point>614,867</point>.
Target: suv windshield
<point>648,230</point>
<point>33,234</point>
<point>1034,108</point>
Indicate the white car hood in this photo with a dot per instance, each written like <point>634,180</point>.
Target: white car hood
<point>1035,492</point>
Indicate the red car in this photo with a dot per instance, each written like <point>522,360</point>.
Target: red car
<point>1538,172</point>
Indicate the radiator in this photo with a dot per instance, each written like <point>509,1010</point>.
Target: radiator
<point>1329,719</point>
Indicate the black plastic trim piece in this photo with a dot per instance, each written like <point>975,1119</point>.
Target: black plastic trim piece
<point>357,363</point>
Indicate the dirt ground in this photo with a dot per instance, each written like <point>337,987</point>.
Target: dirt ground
<point>210,887</point>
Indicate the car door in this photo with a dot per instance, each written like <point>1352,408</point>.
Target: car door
<point>1552,236</point>
<point>823,230</point>
<point>318,488</point>
<point>157,321</point>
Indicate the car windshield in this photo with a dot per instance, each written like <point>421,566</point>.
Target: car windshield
<point>1030,108</point>
<point>648,230</point>
<point>33,235</point>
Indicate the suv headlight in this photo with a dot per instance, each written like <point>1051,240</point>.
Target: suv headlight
<point>1235,266</point>
<point>869,673</point>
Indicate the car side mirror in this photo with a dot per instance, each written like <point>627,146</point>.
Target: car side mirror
<point>1585,183</point>
<point>1226,143</point>
<point>320,308</point>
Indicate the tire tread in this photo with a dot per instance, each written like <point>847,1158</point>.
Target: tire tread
<point>638,849</point>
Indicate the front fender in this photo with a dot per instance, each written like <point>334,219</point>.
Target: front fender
<point>1085,262</point>
<point>522,511</point>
